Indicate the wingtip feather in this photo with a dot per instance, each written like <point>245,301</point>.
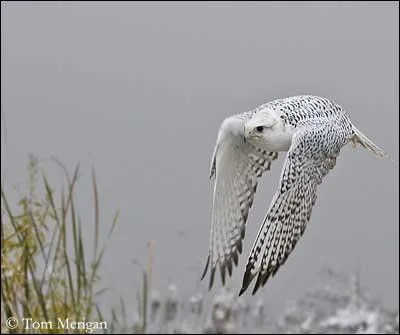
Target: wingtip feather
<point>205,268</point>
<point>211,278</point>
<point>222,267</point>
<point>247,278</point>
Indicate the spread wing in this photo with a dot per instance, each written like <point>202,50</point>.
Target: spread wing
<point>237,166</point>
<point>312,154</point>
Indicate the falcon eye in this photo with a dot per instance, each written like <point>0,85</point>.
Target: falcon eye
<point>260,129</point>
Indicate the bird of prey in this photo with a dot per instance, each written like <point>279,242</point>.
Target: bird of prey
<point>312,130</point>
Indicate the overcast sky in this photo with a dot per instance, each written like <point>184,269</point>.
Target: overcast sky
<point>139,92</point>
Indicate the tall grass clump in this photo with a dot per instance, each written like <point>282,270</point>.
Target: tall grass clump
<point>143,295</point>
<point>47,269</point>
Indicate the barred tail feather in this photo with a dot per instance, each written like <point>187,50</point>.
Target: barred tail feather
<point>359,137</point>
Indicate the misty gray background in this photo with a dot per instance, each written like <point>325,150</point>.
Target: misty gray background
<point>139,91</point>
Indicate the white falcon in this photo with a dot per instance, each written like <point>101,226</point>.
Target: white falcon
<point>312,130</point>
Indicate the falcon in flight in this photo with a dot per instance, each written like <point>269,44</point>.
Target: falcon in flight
<point>312,130</point>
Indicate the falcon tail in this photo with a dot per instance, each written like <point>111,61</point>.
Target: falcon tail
<point>362,139</point>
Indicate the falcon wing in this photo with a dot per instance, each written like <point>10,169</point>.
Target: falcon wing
<point>237,166</point>
<point>312,154</point>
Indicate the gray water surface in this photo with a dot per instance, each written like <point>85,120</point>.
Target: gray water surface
<point>138,90</point>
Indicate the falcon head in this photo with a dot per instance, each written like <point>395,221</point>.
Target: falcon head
<point>259,127</point>
<point>267,130</point>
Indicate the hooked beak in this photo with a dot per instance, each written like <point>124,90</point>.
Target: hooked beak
<point>247,133</point>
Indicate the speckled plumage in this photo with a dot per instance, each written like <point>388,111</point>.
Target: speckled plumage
<point>312,130</point>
